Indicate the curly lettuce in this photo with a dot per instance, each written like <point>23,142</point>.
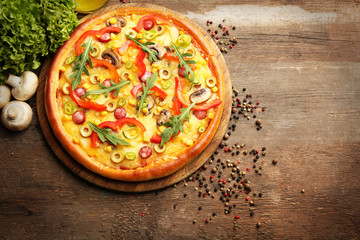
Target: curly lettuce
<point>30,30</point>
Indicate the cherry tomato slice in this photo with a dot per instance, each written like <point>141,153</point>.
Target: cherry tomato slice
<point>148,24</point>
<point>145,152</point>
<point>105,37</point>
<point>200,114</point>
<point>79,117</point>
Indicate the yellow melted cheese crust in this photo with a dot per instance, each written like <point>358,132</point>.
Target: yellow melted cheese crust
<point>103,152</point>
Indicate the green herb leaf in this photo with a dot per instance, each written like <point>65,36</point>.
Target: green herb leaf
<point>104,134</point>
<point>79,66</point>
<point>189,74</point>
<point>152,54</point>
<point>150,83</point>
<point>107,90</point>
<point>175,125</point>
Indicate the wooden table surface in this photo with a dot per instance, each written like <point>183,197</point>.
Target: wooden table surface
<point>301,61</point>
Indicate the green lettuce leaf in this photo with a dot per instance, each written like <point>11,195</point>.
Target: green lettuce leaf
<point>30,30</point>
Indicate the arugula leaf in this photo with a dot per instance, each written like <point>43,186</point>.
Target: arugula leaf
<point>189,74</point>
<point>175,125</point>
<point>79,66</point>
<point>152,54</point>
<point>146,90</point>
<point>104,134</point>
<point>107,90</point>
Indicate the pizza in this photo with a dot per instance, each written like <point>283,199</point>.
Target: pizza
<point>135,94</point>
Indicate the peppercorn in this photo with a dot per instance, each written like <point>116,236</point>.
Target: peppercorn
<point>200,208</point>
<point>275,161</point>
<point>258,225</point>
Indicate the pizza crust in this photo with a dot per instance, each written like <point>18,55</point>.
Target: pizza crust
<point>161,167</point>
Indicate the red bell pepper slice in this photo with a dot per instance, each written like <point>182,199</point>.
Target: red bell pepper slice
<point>207,105</point>
<point>99,62</point>
<point>155,19</point>
<point>202,107</point>
<point>122,50</point>
<point>178,92</point>
<point>95,33</point>
<point>156,90</point>
<point>176,106</point>
<point>155,139</point>
<point>140,63</point>
<point>81,39</point>
<point>171,56</point>
<point>116,126</point>
<point>86,104</point>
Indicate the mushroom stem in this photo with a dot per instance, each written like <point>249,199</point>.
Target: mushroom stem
<point>13,80</point>
<point>12,113</point>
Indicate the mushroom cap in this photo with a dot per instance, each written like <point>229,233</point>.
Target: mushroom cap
<point>112,57</point>
<point>16,115</point>
<point>5,95</point>
<point>201,95</point>
<point>27,86</point>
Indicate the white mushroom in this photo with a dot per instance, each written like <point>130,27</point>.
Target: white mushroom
<point>16,115</point>
<point>5,95</point>
<point>25,86</point>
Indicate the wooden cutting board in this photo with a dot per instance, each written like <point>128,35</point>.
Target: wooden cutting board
<point>116,185</point>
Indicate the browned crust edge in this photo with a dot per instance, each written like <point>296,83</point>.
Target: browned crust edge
<point>152,171</point>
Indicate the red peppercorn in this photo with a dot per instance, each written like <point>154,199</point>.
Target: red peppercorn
<point>237,217</point>
<point>212,176</point>
<point>207,220</point>
<point>226,149</point>
<point>142,214</point>
<point>257,103</point>
<point>220,180</point>
<point>224,181</point>
<point>248,169</point>
<point>255,106</point>
<point>231,46</point>
<point>225,194</point>
<point>247,198</point>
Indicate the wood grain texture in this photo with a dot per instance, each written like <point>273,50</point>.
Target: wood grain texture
<point>303,65</point>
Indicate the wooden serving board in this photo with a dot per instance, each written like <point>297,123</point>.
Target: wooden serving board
<point>116,185</point>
